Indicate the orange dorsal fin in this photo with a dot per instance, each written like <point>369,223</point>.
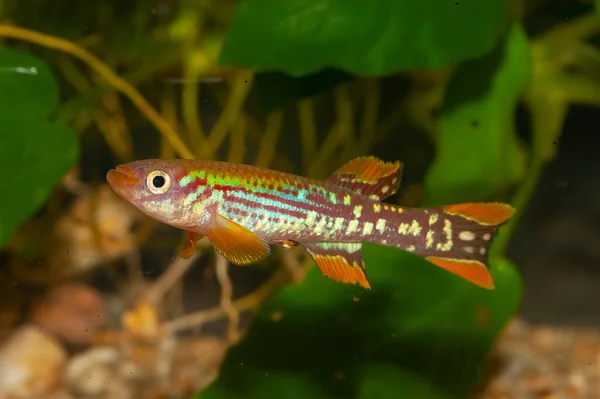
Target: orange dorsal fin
<point>484,213</point>
<point>236,243</point>
<point>471,270</point>
<point>189,246</point>
<point>340,262</point>
<point>368,176</point>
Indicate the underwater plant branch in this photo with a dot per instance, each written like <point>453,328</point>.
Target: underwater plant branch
<point>573,29</point>
<point>308,135</point>
<point>538,158</point>
<point>519,202</point>
<point>328,146</point>
<point>270,137</point>
<point>293,265</point>
<point>191,87</point>
<point>116,127</point>
<point>106,72</point>
<point>191,114</point>
<point>370,112</point>
<point>73,75</point>
<point>169,112</point>
<point>246,303</point>
<point>231,112</point>
<point>237,141</point>
<point>138,76</point>
<point>172,275</point>
<point>233,315</point>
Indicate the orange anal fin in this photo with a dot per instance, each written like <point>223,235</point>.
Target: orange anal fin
<point>368,176</point>
<point>471,270</point>
<point>484,213</point>
<point>189,246</point>
<point>236,243</point>
<point>340,262</point>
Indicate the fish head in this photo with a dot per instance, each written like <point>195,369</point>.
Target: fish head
<point>153,187</point>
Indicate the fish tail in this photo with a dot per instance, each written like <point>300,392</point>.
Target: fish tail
<point>460,238</point>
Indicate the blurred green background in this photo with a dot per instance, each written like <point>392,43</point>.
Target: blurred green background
<point>304,86</point>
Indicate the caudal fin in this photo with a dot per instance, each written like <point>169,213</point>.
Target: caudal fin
<point>463,236</point>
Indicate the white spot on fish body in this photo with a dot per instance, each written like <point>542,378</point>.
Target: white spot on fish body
<point>466,235</point>
<point>447,246</point>
<point>429,239</point>
<point>403,228</point>
<point>311,217</point>
<point>433,218</point>
<point>352,226</point>
<point>357,211</point>
<point>367,228</point>
<point>385,189</point>
<point>415,228</point>
<point>381,225</point>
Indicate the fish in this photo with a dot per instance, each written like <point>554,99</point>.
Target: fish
<point>245,209</point>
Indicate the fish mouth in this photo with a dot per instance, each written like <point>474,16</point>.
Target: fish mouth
<point>122,177</point>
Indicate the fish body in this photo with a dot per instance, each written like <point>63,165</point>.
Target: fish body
<point>243,209</point>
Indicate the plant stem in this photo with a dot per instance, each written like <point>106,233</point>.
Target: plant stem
<point>105,72</point>
<point>268,141</point>
<point>308,135</point>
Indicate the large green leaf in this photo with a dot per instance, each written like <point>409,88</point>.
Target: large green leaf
<point>27,87</point>
<point>35,152</point>
<point>478,153</point>
<point>374,37</point>
<point>421,332</point>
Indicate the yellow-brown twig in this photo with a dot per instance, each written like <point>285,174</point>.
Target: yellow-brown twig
<point>169,112</point>
<point>173,274</point>
<point>191,113</point>
<point>308,134</point>
<point>231,112</point>
<point>248,302</point>
<point>269,139</point>
<point>331,142</point>
<point>237,141</point>
<point>233,315</point>
<point>105,72</point>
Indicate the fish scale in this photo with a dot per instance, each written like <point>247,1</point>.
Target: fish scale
<point>243,209</point>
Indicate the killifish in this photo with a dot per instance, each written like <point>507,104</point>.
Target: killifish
<point>243,209</point>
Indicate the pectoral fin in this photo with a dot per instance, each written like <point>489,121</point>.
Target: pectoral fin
<point>236,243</point>
<point>341,262</point>
<point>189,246</point>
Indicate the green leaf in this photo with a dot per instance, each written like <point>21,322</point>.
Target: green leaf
<point>597,7</point>
<point>27,86</point>
<point>35,151</point>
<point>274,89</point>
<point>478,153</point>
<point>421,332</point>
<point>371,38</point>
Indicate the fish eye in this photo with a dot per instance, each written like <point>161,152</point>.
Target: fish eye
<point>158,181</point>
